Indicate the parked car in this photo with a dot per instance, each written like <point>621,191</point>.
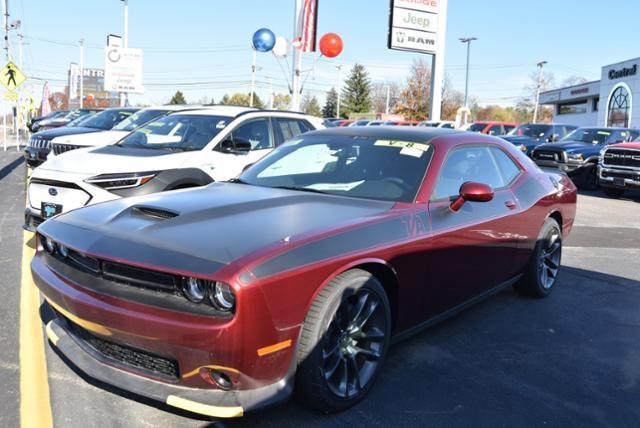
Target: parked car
<point>492,128</point>
<point>619,168</point>
<point>362,122</point>
<point>65,143</point>
<point>39,146</point>
<point>34,123</point>
<point>57,122</point>
<point>577,154</point>
<point>529,135</point>
<point>183,149</point>
<point>300,272</point>
<point>344,122</point>
<point>401,123</point>
<point>376,123</point>
<point>437,124</point>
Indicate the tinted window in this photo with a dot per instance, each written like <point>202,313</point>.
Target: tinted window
<point>107,119</point>
<point>477,127</point>
<point>177,132</point>
<point>359,167</point>
<point>257,132</point>
<point>467,164</point>
<point>508,168</point>
<point>533,131</point>
<point>290,128</point>
<point>590,135</point>
<point>139,118</point>
<point>495,130</point>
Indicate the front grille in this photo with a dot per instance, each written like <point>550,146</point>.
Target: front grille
<point>121,273</point>
<point>620,174</point>
<point>622,157</point>
<point>39,143</point>
<point>547,155</point>
<point>125,355</point>
<point>61,148</point>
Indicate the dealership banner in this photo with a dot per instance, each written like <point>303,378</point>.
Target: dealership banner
<point>413,25</point>
<point>123,70</point>
<point>307,26</point>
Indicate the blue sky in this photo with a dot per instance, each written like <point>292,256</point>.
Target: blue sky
<point>202,47</point>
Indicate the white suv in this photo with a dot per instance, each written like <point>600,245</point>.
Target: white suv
<point>184,149</point>
<point>65,143</point>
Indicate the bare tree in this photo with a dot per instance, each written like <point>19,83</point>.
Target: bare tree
<point>379,95</point>
<point>414,99</point>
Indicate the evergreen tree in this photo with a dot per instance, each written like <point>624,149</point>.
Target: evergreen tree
<point>178,98</point>
<point>331,105</point>
<point>310,105</point>
<point>356,95</point>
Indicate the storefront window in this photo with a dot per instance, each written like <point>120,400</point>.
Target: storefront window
<point>573,108</point>
<point>619,107</point>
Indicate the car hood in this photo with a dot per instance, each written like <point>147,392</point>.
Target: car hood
<point>208,226</point>
<point>632,145</point>
<point>521,139</point>
<point>102,138</point>
<point>114,159</point>
<point>60,132</point>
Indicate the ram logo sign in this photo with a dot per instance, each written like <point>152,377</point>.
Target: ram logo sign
<point>413,25</point>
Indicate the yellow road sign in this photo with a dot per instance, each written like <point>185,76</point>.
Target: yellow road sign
<point>11,76</point>
<point>11,96</point>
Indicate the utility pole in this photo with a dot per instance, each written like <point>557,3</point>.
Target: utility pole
<point>125,44</point>
<point>468,41</point>
<point>339,89</point>
<point>81,74</point>
<point>388,99</point>
<point>540,65</point>
<point>5,6</point>
<point>271,94</point>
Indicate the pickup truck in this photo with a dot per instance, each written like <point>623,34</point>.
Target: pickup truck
<point>619,168</point>
<point>578,153</point>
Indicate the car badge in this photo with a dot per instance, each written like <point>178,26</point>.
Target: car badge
<point>53,192</point>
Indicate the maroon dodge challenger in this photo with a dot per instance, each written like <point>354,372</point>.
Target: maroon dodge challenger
<point>299,273</point>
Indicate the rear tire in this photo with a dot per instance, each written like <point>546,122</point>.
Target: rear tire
<point>541,273</point>
<point>344,342</point>
<point>613,192</point>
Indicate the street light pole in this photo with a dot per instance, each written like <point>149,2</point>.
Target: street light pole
<point>541,65</point>
<point>125,44</point>
<point>468,41</point>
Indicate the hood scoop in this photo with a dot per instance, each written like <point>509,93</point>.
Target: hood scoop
<point>155,213</point>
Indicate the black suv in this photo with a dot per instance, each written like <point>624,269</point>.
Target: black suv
<point>577,154</point>
<point>528,136</point>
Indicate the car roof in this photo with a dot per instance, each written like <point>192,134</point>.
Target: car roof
<point>389,133</point>
<point>231,111</point>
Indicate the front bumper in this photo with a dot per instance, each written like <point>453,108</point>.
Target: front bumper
<point>228,404</point>
<point>195,344</point>
<point>35,156</point>
<point>32,220</point>
<point>619,178</point>
<point>571,169</point>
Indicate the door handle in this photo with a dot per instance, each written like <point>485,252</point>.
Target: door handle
<point>511,205</point>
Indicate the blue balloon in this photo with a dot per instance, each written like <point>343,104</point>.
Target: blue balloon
<point>264,40</point>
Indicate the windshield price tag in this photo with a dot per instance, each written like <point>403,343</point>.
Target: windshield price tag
<point>403,145</point>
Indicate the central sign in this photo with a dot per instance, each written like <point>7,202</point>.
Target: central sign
<point>413,25</point>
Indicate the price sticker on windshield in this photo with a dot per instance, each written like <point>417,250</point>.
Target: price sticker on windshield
<point>403,145</point>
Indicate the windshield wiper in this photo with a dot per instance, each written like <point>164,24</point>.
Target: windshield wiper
<point>301,189</point>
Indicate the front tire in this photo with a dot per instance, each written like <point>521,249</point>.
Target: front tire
<point>590,179</point>
<point>541,274</point>
<point>344,342</point>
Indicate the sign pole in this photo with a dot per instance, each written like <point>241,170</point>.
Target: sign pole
<point>5,12</point>
<point>437,68</point>
<point>297,60</point>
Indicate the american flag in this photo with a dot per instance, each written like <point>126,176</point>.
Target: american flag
<point>45,106</point>
<point>307,26</point>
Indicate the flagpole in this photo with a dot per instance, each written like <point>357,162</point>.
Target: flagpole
<point>297,59</point>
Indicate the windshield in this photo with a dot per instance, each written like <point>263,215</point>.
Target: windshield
<point>138,119</point>
<point>78,121</point>
<point>589,135</point>
<point>177,132</point>
<point>74,114</point>
<point>477,127</point>
<point>345,165</point>
<point>533,131</point>
<point>107,119</point>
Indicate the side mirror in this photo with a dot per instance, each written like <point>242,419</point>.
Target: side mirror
<point>472,192</point>
<point>235,145</point>
<point>554,138</point>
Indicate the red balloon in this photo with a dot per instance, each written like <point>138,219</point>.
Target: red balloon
<point>331,45</point>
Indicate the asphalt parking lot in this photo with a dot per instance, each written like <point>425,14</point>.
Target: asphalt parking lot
<point>573,358</point>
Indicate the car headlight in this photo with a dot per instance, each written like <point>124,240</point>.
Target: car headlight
<point>575,157</point>
<point>63,251</point>
<point>218,294</point>
<point>222,297</point>
<point>50,245</point>
<point>121,181</point>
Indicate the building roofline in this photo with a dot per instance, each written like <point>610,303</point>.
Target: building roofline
<point>572,86</point>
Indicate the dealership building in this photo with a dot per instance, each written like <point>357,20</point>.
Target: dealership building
<point>614,100</point>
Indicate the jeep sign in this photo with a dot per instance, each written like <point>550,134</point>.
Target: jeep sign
<point>413,25</point>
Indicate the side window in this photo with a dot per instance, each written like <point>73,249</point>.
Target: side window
<point>506,165</point>
<point>257,132</point>
<point>495,130</point>
<point>508,128</point>
<point>467,163</point>
<point>290,128</point>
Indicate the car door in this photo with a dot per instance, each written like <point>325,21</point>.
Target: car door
<point>473,248</point>
<point>287,128</point>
